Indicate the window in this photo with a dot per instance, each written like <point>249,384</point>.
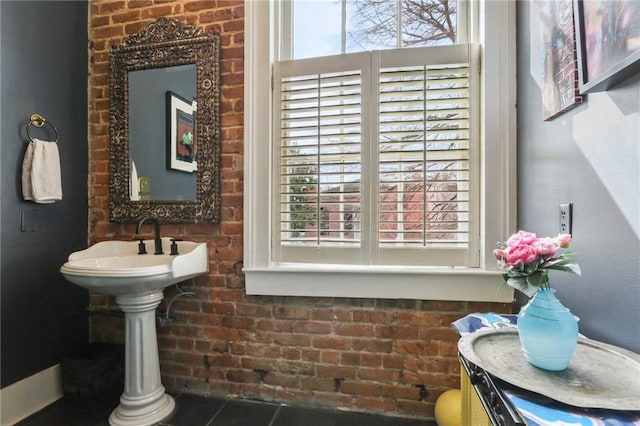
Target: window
<point>329,27</point>
<point>408,113</point>
<point>381,161</point>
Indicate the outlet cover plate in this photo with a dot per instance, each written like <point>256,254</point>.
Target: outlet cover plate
<point>566,216</point>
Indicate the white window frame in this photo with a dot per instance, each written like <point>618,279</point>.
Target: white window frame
<point>496,35</point>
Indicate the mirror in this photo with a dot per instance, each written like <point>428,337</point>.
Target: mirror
<point>165,125</point>
<point>160,98</point>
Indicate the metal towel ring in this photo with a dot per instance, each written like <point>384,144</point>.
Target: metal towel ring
<point>39,121</point>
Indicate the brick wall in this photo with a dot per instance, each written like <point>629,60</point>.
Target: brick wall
<point>386,356</point>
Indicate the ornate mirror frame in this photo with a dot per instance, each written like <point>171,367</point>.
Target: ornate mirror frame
<point>167,43</point>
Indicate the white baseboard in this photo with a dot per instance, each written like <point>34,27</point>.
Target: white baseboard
<point>21,399</point>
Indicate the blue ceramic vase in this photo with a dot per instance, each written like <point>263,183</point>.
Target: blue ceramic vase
<point>548,331</point>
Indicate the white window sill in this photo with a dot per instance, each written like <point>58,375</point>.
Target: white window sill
<point>460,284</point>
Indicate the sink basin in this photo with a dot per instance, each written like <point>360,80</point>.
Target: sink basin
<point>137,281</point>
<point>115,268</point>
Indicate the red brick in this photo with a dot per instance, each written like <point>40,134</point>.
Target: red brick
<point>271,325</point>
<point>448,348</point>
<point>282,380</point>
<point>292,339</point>
<point>396,332</point>
<point>360,388</point>
<point>310,355</point>
<point>107,32</point>
<point>291,312</point>
<point>316,384</point>
<point>196,6</point>
<point>330,315</point>
<point>372,345</point>
<point>417,347</point>
<point>221,360</point>
<point>351,358</point>
<point>329,342</point>
<point>336,372</point>
<point>372,360</point>
<point>312,327</point>
<point>419,318</point>
<point>357,330</point>
<point>398,391</point>
<point>125,17</point>
<point>291,353</point>
<point>295,367</point>
<point>107,7</point>
<point>243,376</point>
<point>378,374</point>
<point>155,12</point>
<point>258,364</point>
<point>186,345</point>
<point>330,357</point>
<point>448,334</point>
<point>218,308</point>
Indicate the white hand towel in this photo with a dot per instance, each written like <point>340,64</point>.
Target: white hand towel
<point>27,192</point>
<point>134,184</point>
<point>41,176</point>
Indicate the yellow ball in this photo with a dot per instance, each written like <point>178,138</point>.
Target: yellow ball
<point>448,410</point>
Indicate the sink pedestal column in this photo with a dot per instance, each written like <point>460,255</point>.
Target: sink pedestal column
<point>144,401</point>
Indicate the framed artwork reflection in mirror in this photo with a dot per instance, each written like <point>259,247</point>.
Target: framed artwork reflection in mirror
<point>181,140</point>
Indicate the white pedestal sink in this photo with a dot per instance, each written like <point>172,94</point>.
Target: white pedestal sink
<point>137,281</point>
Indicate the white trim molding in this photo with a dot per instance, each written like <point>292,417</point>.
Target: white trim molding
<point>379,283</point>
<point>263,276</point>
<point>28,396</point>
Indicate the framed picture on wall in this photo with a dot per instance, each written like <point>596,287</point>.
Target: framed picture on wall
<point>558,58</point>
<point>181,141</point>
<point>608,34</point>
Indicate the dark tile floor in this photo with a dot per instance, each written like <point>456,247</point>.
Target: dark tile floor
<point>192,410</point>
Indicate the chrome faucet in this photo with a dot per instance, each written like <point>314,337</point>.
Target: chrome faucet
<point>156,228</point>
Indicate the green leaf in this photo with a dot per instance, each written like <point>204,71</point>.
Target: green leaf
<point>570,267</point>
<point>536,279</point>
<point>574,269</point>
<point>521,284</point>
<point>556,261</point>
<point>501,286</point>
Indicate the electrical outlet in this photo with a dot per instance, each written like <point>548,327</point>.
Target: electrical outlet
<point>566,213</point>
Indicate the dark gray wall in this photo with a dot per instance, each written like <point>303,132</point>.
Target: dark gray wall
<point>588,156</point>
<point>43,69</point>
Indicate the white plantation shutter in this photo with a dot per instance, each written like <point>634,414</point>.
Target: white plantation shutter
<point>375,159</point>
<point>319,123</point>
<point>427,200</point>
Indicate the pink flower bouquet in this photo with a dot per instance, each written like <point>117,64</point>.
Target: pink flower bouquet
<point>527,259</point>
